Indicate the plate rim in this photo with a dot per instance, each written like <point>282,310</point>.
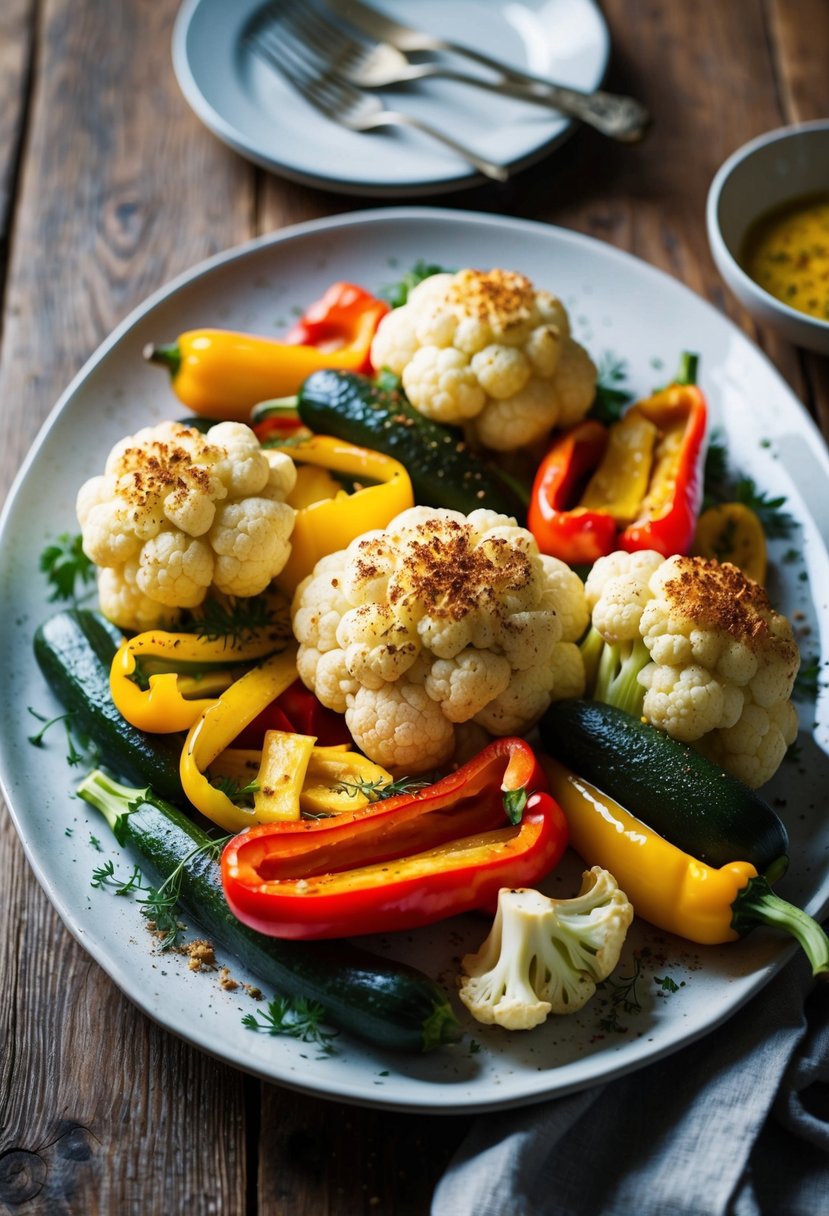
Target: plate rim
<point>463,179</point>
<point>119,973</point>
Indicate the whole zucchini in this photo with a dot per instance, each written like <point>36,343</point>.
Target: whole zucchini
<point>74,649</point>
<point>444,471</point>
<point>668,785</point>
<point>385,1002</point>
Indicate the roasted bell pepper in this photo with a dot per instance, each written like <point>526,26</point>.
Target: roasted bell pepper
<point>332,523</point>
<point>732,532</point>
<point>646,484</point>
<point>162,707</point>
<point>298,709</point>
<point>334,780</point>
<point>406,861</point>
<point>574,534</point>
<point>218,726</point>
<point>221,374</point>
<point>670,888</point>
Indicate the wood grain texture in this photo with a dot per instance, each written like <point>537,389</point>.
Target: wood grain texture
<point>108,187</point>
<point>100,1111</point>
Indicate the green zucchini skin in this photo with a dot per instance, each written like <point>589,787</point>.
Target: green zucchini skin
<point>74,650</point>
<point>668,785</point>
<point>444,472</point>
<point>385,1002</point>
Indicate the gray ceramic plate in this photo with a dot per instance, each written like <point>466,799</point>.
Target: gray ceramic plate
<point>618,305</point>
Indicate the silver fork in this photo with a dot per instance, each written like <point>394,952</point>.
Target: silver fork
<point>277,40</point>
<point>380,64</point>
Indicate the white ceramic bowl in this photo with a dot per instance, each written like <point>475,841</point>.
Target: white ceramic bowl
<point>784,164</point>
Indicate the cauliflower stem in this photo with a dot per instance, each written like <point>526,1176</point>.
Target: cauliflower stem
<point>612,670</point>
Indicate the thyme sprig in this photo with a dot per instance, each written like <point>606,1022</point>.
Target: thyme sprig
<point>160,905</point>
<point>379,790</point>
<point>238,620</point>
<point>298,1018</point>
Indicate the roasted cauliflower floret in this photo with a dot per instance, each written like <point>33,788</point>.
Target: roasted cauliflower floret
<point>176,513</point>
<point>695,647</point>
<point>436,621</point>
<point>486,350</point>
<point>546,955</point>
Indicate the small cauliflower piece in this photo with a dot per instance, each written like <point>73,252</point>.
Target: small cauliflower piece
<point>177,512</point>
<point>485,349</point>
<point>546,955</point>
<point>695,647</point>
<point>436,620</point>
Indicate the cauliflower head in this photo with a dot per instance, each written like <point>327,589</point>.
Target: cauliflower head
<point>695,647</point>
<point>176,513</point>
<point>546,955</point>
<point>438,620</point>
<point>484,349</point>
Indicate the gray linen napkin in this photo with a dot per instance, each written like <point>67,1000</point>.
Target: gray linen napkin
<point>737,1124</point>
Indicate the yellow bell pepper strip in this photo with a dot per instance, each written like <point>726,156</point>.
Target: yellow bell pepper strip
<point>218,726</point>
<point>163,707</point>
<point>667,516</point>
<point>335,780</point>
<point>732,532</point>
<point>646,484</point>
<point>221,374</point>
<point>404,861</point>
<point>332,523</point>
<point>669,888</point>
<point>281,775</point>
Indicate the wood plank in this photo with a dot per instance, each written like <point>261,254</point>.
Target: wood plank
<point>17,19</point>
<point>121,188</point>
<point>325,1158</point>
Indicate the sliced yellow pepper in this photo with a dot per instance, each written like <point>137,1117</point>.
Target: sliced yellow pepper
<point>218,725</point>
<point>732,532</point>
<point>666,886</point>
<point>281,775</point>
<point>163,707</point>
<point>333,777</point>
<point>332,523</point>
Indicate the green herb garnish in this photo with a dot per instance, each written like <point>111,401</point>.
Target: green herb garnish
<point>64,563</point>
<point>612,393</point>
<point>298,1019</point>
<point>378,791</point>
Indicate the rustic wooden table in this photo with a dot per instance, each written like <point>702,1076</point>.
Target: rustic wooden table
<point>109,187</point>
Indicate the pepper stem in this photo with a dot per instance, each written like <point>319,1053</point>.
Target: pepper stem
<point>758,904</point>
<point>168,356</point>
<point>688,364</point>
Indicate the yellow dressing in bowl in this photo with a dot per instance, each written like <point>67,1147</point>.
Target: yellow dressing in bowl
<point>786,252</point>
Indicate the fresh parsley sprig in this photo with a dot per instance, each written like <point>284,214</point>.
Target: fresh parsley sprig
<point>65,564</point>
<point>721,484</point>
<point>612,392</point>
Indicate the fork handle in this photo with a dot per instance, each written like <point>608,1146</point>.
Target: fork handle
<point>392,118</point>
<point>619,117</point>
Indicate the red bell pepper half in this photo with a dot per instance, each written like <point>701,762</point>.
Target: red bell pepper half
<point>646,485</point>
<point>405,861</point>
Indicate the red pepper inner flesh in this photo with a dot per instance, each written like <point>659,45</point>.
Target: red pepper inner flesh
<point>402,832</point>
